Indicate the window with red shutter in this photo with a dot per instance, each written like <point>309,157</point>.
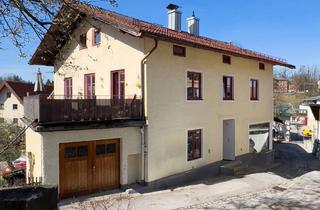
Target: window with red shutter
<point>254,88</point>
<point>194,83</point>
<point>194,144</point>
<point>227,88</point>
<point>68,88</point>
<point>89,86</point>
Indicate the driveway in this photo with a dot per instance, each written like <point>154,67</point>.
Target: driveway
<point>293,184</point>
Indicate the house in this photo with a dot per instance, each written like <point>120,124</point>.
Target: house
<point>11,100</point>
<point>138,102</point>
<point>284,85</point>
<point>312,123</point>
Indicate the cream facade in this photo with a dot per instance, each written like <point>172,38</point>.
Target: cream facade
<point>170,114</point>
<point>11,109</point>
<point>117,51</point>
<point>44,148</point>
<point>159,147</point>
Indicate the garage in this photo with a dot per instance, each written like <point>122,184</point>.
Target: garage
<point>88,167</point>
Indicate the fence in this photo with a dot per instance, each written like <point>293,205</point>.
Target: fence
<point>20,181</point>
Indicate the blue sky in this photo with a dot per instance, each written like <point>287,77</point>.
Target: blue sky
<point>288,29</point>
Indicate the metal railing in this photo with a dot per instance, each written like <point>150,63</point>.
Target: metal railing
<point>86,108</point>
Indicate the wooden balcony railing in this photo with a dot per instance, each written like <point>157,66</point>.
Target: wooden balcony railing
<point>46,110</point>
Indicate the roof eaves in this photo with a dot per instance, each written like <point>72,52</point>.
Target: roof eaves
<point>13,91</point>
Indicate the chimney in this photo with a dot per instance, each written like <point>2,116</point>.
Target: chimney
<point>193,25</point>
<point>174,17</point>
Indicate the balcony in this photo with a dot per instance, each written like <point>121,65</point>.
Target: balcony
<point>98,109</point>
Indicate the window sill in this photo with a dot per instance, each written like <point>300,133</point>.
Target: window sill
<point>96,45</point>
<point>82,48</point>
<point>195,160</point>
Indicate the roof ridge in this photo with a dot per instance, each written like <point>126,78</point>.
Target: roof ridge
<point>140,28</point>
<point>183,32</point>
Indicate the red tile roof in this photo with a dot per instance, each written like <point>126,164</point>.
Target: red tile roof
<point>22,89</point>
<point>141,28</point>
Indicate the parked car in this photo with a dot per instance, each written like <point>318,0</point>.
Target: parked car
<point>307,132</point>
<point>15,172</point>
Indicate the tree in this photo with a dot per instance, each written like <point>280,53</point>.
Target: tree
<point>21,20</point>
<point>11,77</point>
<point>49,82</point>
<point>306,78</point>
<point>7,133</point>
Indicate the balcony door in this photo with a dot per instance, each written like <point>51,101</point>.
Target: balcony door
<point>89,86</point>
<point>117,84</point>
<point>68,88</point>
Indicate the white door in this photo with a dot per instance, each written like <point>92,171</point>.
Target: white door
<point>229,139</point>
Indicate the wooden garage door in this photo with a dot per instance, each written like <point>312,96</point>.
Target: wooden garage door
<point>87,167</point>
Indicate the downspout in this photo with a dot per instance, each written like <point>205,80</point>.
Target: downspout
<point>143,128</point>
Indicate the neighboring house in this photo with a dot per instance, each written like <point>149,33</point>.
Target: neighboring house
<point>11,100</point>
<point>136,102</point>
<point>283,85</point>
<point>311,121</point>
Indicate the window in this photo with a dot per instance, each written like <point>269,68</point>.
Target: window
<point>96,37</point>
<point>15,120</point>
<point>8,94</point>
<point>70,152</point>
<point>194,82</point>
<point>68,88</point>
<point>76,151</point>
<point>226,59</point>
<point>261,66</point>
<point>118,84</point>
<point>194,144</point>
<point>14,106</point>
<point>102,149</point>
<point>179,51</point>
<point>83,40</point>
<point>227,88</point>
<point>82,151</point>
<point>89,85</point>
<point>259,135</point>
<point>254,88</point>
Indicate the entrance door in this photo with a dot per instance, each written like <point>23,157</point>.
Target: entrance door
<point>229,139</point>
<point>87,167</point>
<point>117,84</point>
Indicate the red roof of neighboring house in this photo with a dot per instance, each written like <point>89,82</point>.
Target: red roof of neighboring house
<point>22,89</point>
<point>50,45</point>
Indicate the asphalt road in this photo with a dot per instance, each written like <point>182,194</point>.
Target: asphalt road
<point>293,184</point>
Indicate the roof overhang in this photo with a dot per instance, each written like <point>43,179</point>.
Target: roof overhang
<point>57,36</point>
<point>72,14</point>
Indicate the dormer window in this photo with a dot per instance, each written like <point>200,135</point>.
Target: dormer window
<point>83,40</point>
<point>96,37</point>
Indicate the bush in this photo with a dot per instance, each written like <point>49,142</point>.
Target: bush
<point>9,132</point>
